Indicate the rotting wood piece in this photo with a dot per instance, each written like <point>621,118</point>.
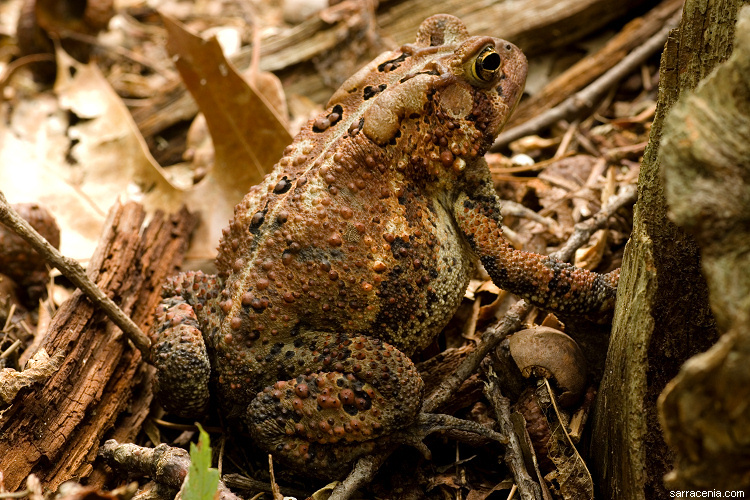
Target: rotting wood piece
<point>55,430</point>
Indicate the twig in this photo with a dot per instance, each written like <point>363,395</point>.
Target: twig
<point>10,350</point>
<point>528,489</point>
<point>15,494</point>
<point>512,321</point>
<point>553,399</point>
<point>583,230</point>
<point>245,483</point>
<point>275,492</point>
<point>120,51</point>
<point>11,68</point>
<point>414,435</point>
<point>72,270</point>
<point>167,465</point>
<point>586,98</point>
<point>363,472</point>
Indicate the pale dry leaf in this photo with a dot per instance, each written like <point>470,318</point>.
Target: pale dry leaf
<point>481,493</point>
<point>488,286</point>
<point>79,171</point>
<point>324,492</point>
<point>473,288</point>
<point>588,257</point>
<point>33,168</point>
<point>34,485</point>
<point>9,10</point>
<point>109,154</point>
<point>40,367</point>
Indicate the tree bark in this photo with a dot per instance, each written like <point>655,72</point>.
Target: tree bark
<point>706,159</point>
<point>54,430</point>
<point>662,314</point>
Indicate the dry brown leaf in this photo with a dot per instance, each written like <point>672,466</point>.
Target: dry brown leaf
<point>245,129</point>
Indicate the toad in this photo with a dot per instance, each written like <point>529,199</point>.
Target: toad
<point>354,253</point>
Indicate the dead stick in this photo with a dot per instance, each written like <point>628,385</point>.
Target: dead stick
<point>363,472</point>
<point>75,273</point>
<point>167,465</point>
<point>528,489</point>
<point>586,98</point>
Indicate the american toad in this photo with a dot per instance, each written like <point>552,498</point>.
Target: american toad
<point>354,253</point>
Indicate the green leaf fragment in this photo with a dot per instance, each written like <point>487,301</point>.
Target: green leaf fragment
<point>202,480</point>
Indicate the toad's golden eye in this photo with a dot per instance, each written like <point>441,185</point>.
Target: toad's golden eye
<point>486,65</point>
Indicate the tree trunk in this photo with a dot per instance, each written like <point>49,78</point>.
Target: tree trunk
<point>662,314</point>
<point>706,164</point>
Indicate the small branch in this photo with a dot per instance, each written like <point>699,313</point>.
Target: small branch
<point>528,489</point>
<point>75,273</point>
<point>564,430</point>
<point>165,464</point>
<point>15,494</point>
<point>583,230</point>
<point>120,51</point>
<point>19,63</point>
<point>362,474</point>
<point>245,483</point>
<point>511,322</point>
<point>589,96</point>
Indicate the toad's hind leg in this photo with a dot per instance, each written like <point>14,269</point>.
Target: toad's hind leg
<point>354,390</point>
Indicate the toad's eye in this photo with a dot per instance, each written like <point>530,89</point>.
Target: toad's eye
<point>486,65</point>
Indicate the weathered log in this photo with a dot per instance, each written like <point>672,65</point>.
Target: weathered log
<point>54,430</point>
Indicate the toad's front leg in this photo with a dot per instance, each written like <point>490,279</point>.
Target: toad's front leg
<point>543,281</point>
<point>179,353</point>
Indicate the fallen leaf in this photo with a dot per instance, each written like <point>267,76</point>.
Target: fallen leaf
<point>33,168</point>
<point>248,136</point>
<point>109,155</point>
<point>78,170</point>
<point>590,256</point>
